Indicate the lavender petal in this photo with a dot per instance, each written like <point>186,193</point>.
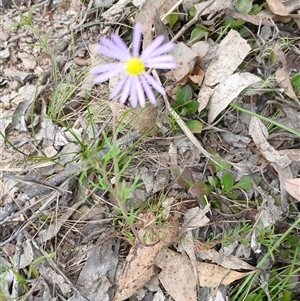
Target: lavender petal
<point>154,84</point>
<point>148,90</point>
<point>126,89</point>
<point>136,40</point>
<point>118,87</point>
<point>152,46</point>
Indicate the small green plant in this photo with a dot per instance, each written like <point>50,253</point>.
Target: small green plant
<point>185,105</point>
<point>25,20</point>
<point>295,81</point>
<point>172,19</point>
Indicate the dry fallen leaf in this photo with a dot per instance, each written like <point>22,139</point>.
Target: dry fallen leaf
<point>210,275</point>
<point>214,7</point>
<point>139,266</point>
<point>185,59</point>
<point>259,134</point>
<point>176,269</point>
<point>227,91</point>
<point>293,154</point>
<point>293,188</point>
<point>277,7</point>
<point>229,262</point>
<point>231,52</point>
<point>282,74</point>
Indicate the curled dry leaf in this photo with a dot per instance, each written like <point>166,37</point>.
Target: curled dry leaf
<point>282,74</point>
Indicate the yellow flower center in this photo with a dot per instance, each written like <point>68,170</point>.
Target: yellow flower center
<point>134,66</point>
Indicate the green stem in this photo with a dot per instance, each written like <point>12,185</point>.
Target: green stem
<point>288,129</point>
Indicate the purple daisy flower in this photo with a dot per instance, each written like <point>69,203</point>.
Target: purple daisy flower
<point>135,82</point>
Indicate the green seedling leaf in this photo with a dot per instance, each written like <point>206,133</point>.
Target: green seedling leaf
<point>220,164</point>
<point>245,182</point>
<point>243,6</point>
<point>195,126</point>
<point>192,11</point>
<point>172,19</point>
<point>295,81</point>
<point>227,181</point>
<point>214,182</point>
<point>192,106</point>
<point>198,33</point>
<point>184,94</point>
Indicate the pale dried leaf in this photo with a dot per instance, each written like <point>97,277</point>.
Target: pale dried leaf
<point>283,81</point>
<point>195,218</point>
<point>187,243</point>
<point>277,7</point>
<point>210,275</point>
<point>139,266</point>
<point>229,262</point>
<point>55,278</point>
<point>231,52</point>
<point>140,119</point>
<point>197,75</point>
<point>259,134</point>
<point>293,154</point>
<point>103,3</point>
<point>174,277</point>
<point>227,91</point>
<point>293,188</point>
<point>185,60</point>
<point>138,3</point>
<point>216,296</point>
